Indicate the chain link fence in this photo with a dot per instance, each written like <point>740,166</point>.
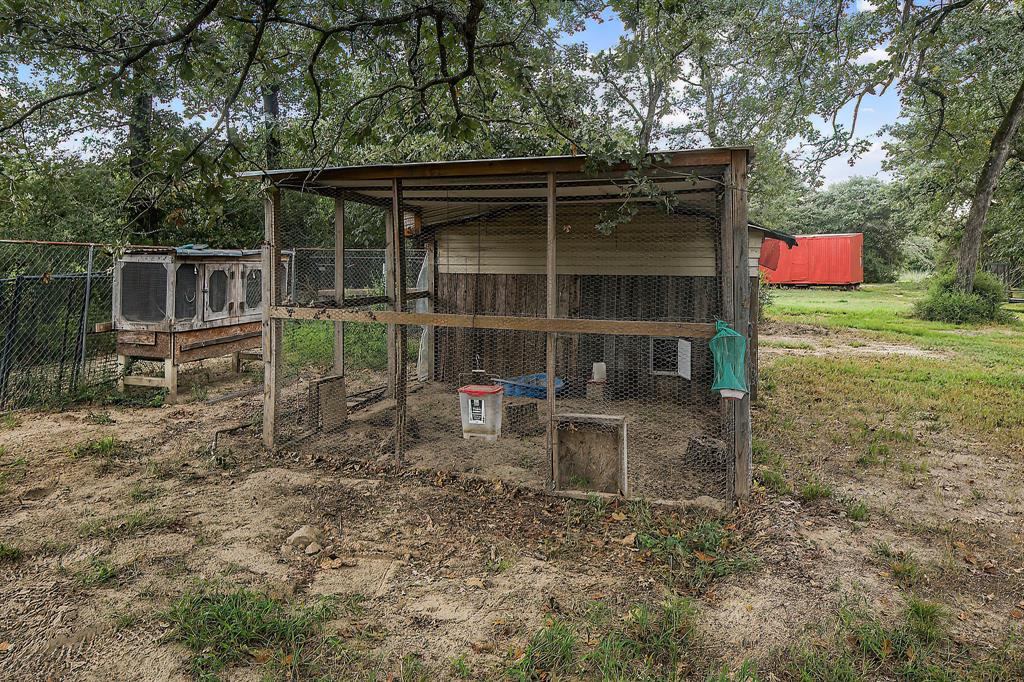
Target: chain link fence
<point>55,313</point>
<point>54,301</point>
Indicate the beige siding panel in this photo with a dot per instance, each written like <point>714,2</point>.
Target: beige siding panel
<point>652,244</point>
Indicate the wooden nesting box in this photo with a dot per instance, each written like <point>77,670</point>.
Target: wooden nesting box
<point>185,304</point>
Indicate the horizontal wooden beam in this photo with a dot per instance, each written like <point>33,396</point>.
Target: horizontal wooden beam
<point>148,382</point>
<point>560,325</point>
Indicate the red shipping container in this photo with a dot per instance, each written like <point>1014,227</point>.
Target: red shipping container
<point>825,259</point>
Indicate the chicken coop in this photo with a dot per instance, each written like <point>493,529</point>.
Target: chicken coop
<point>178,305</point>
<point>556,330</point>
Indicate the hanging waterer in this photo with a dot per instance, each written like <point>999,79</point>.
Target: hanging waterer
<point>730,351</point>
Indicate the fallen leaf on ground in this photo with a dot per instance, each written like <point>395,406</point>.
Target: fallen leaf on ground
<point>475,582</point>
<point>628,540</point>
<point>261,656</point>
<point>618,516</point>
<point>706,558</point>
<point>5,647</point>
<point>1017,614</point>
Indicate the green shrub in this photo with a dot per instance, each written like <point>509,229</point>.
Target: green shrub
<point>946,303</point>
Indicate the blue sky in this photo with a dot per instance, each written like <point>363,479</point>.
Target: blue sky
<point>875,111</point>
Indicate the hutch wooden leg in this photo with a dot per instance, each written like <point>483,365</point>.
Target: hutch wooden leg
<point>122,367</point>
<point>171,379</point>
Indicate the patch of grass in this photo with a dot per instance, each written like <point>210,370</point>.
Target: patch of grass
<point>99,418</point>
<point>162,470</point>
<point>792,345</point>
<point>10,554</point>
<point>412,669</point>
<point>460,667</point>
<point>120,526</point>
<point>9,420</point>
<point>143,493</point>
<point>551,652</point>
<point>222,625</point>
<point>650,644</point>
<point>904,566</point>
<point>916,647</point>
<point>199,393</point>
<point>698,554</point>
<point>747,672</point>
<point>857,511</point>
<point>101,570</point>
<point>775,481</point>
<point>15,470</point>
<point>107,446</point>
<point>814,491</point>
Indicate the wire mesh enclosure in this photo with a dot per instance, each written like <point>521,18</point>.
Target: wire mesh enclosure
<point>533,322</point>
<point>52,297</point>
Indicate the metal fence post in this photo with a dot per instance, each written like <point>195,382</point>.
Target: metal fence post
<point>84,326</point>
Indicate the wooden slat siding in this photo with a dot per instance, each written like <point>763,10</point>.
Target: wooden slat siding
<point>741,311</point>
<point>271,327</point>
<point>339,283</point>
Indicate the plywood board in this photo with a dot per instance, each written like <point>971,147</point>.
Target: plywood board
<point>591,452</point>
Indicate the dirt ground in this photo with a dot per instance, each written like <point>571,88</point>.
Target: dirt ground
<point>444,565</point>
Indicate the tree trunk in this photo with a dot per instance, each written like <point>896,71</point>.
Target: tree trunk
<point>998,152</point>
<point>140,148</point>
<point>271,121</point>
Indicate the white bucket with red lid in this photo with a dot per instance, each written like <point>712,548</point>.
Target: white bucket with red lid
<point>481,411</point>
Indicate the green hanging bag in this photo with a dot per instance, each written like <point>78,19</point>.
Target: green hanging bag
<point>730,351</point>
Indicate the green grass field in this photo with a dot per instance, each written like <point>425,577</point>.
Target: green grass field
<point>970,381</point>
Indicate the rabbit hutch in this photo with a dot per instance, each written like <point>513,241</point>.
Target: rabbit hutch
<point>178,305</point>
<point>559,331</point>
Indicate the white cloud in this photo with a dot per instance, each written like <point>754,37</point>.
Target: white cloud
<point>866,6</point>
<point>872,56</point>
<point>868,164</point>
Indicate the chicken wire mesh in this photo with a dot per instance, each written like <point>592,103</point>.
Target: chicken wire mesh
<point>633,413</point>
<point>52,296</point>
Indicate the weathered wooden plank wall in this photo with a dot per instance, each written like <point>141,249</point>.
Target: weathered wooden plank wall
<point>621,297</point>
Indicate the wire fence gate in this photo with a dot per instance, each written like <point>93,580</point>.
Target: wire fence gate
<point>55,301</point>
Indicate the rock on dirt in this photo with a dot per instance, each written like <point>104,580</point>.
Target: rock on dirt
<point>304,537</point>
<point>313,547</point>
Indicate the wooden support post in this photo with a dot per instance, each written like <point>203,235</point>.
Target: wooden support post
<point>552,311</point>
<point>339,284</point>
<point>271,297</point>
<point>389,291</point>
<point>736,260</point>
<point>426,373</point>
<point>755,323</point>
<point>122,367</point>
<point>401,361</point>
<point>171,380</point>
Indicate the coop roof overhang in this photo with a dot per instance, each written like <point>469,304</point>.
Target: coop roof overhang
<point>447,192</point>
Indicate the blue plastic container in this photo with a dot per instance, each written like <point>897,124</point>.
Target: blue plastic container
<point>530,386</point>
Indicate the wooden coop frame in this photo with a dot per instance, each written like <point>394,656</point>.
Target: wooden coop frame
<point>723,169</point>
<point>169,325</point>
